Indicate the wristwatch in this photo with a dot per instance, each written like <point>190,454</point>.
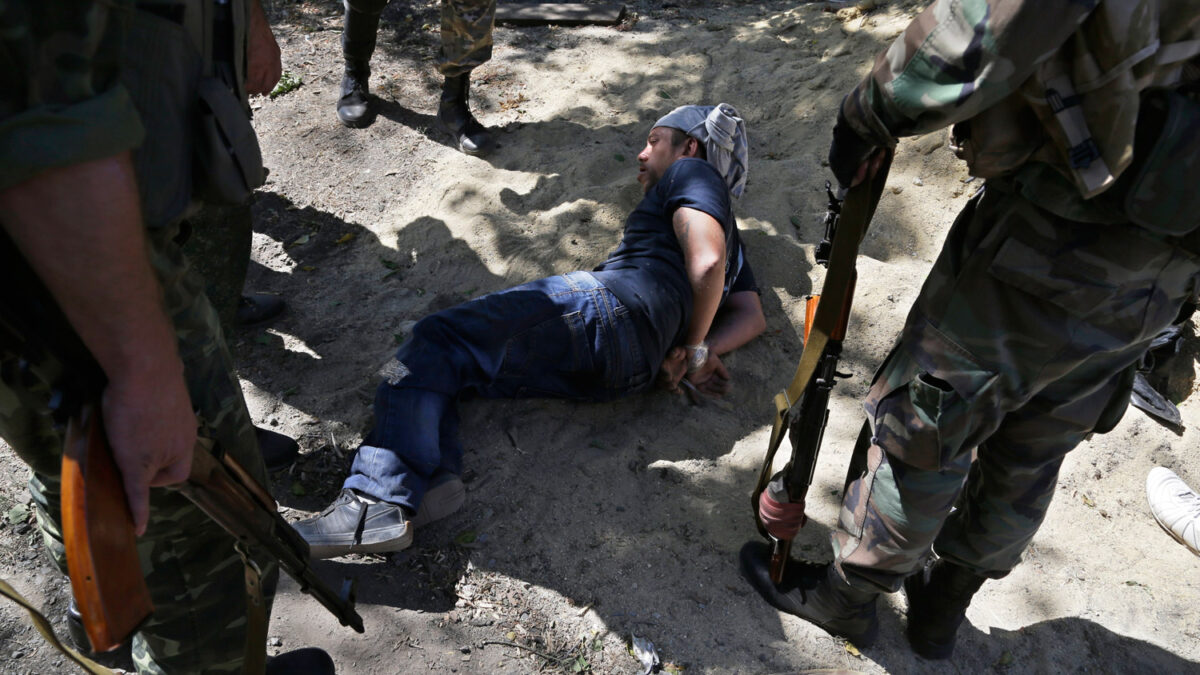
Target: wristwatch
<point>697,356</point>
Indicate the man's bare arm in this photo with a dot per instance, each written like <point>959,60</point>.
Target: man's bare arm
<point>739,321</point>
<point>80,228</point>
<point>263,67</point>
<point>703,242</point>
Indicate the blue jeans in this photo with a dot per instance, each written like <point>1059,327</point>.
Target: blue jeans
<point>560,337</point>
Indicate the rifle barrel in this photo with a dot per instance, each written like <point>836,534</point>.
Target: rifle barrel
<point>237,508</point>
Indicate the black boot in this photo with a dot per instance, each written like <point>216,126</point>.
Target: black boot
<point>307,661</point>
<point>120,657</point>
<point>815,593</point>
<point>278,451</point>
<point>938,597</point>
<point>455,117</point>
<point>354,106</point>
<point>359,32</point>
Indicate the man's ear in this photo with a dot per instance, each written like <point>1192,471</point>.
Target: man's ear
<point>693,148</point>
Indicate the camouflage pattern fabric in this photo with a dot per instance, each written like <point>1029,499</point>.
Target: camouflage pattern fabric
<point>1017,343</point>
<point>63,93</point>
<point>74,109</point>
<point>1069,72</point>
<point>219,250</point>
<point>195,576</point>
<point>466,33</point>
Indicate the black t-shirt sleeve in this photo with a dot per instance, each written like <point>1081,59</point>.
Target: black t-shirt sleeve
<point>744,281</point>
<point>695,184</point>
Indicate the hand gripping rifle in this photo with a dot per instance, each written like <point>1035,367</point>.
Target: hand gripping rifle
<point>803,408</point>
<point>106,577</point>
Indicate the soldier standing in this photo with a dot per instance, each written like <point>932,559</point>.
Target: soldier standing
<point>1053,280</point>
<point>101,110</point>
<point>466,44</point>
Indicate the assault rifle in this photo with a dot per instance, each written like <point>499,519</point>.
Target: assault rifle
<point>106,577</point>
<point>803,409</point>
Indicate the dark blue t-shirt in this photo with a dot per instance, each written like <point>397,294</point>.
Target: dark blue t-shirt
<point>647,271</point>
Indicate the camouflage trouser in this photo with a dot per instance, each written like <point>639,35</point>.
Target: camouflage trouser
<point>195,576</point>
<point>466,33</point>
<point>219,250</point>
<point>1018,342</point>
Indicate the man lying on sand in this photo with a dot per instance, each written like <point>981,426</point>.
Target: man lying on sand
<point>675,295</point>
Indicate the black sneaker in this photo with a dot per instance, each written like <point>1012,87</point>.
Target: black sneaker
<point>355,523</point>
<point>814,593</point>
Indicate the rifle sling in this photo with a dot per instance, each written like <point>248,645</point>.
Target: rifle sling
<point>856,214</point>
<point>43,626</point>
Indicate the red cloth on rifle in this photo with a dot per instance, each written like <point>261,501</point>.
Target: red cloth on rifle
<point>782,519</point>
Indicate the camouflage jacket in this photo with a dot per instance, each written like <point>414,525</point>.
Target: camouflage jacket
<point>1052,81</point>
<point>61,101</point>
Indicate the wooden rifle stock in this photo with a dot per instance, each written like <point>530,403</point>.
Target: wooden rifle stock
<point>106,575</point>
<point>102,557</point>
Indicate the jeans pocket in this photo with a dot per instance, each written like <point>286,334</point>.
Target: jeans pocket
<point>629,372</point>
<point>548,358</point>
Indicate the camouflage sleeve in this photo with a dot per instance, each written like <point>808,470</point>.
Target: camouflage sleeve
<point>956,58</point>
<point>60,99</point>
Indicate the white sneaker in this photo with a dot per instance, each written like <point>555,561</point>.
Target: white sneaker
<point>1175,506</point>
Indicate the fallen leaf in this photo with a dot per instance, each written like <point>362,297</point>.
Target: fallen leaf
<point>663,94</point>
<point>345,238</point>
<point>1005,659</point>
<point>619,157</point>
<point>263,338</point>
<point>796,220</point>
<point>18,514</point>
<point>307,268</point>
<point>1088,500</point>
<point>302,239</point>
<point>465,537</point>
<point>852,650</point>
<point>298,489</point>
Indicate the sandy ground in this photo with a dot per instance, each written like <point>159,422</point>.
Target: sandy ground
<point>586,524</point>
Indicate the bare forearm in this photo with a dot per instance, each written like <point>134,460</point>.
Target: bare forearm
<point>703,243</point>
<point>739,321</point>
<point>80,228</point>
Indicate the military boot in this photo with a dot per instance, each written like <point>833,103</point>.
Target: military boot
<point>359,33</point>
<point>815,593</point>
<point>454,117</point>
<point>938,597</point>
<point>354,107</point>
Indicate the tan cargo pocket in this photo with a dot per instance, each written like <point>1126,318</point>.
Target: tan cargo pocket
<point>922,413</point>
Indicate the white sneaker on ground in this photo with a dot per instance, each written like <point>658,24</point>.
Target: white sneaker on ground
<point>1175,506</point>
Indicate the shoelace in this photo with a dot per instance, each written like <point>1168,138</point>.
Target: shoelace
<point>1192,509</point>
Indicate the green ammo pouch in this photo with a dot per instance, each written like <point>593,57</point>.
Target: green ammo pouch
<point>228,160</point>
<point>1164,196</point>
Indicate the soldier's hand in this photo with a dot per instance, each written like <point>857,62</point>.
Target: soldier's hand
<point>263,65</point>
<point>152,431</point>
